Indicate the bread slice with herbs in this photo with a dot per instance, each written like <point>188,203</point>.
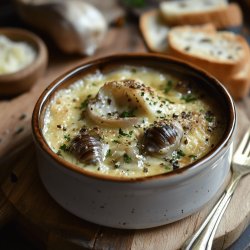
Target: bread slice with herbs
<point>154,31</point>
<point>221,53</point>
<point>218,12</point>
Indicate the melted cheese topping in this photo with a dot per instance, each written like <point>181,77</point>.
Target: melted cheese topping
<point>171,101</point>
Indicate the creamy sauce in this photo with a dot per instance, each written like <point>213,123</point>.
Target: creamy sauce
<point>14,56</point>
<point>173,100</point>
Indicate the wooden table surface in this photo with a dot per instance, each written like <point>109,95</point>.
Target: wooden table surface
<point>15,131</point>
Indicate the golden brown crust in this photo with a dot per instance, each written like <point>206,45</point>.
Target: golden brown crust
<point>235,76</point>
<point>220,18</point>
<point>231,17</point>
<point>239,85</point>
<point>145,30</point>
<point>220,69</point>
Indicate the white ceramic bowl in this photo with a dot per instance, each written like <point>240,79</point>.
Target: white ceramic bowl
<point>139,202</point>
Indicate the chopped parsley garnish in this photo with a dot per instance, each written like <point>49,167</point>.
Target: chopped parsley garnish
<point>108,154</point>
<point>177,155</point>
<point>142,93</point>
<point>189,97</point>
<point>180,154</point>
<point>127,158</point>
<point>64,147</point>
<point>129,113</point>
<point>67,137</point>
<point>193,157</point>
<point>122,133</point>
<point>168,87</point>
<point>85,103</point>
<point>116,141</point>
<point>209,116</point>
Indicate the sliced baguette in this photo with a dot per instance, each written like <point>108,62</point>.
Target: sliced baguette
<point>238,85</point>
<point>220,53</point>
<point>221,14</point>
<point>154,31</point>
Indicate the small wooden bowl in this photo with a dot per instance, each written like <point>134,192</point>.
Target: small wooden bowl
<point>22,80</point>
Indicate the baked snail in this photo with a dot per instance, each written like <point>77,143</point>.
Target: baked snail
<point>162,138</point>
<point>87,148</point>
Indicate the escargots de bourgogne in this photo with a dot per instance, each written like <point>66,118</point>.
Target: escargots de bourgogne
<point>132,122</point>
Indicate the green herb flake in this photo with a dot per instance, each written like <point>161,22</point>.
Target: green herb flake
<point>129,113</point>
<point>67,137</point>
<point>116,141</point>
<point>180,154</point>
<point>168,87</point>
<point>121,132</point>
<point>108,154</point>
<point>127,159</point>
<point>64,147</point>
<point>193,157</point>
<point>85,103</point>
<point>189,97</point>
<point>209,116</point>
<point>177,155</point>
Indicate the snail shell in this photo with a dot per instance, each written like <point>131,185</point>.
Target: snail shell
<point>162,138</point>
<point>87,148</point>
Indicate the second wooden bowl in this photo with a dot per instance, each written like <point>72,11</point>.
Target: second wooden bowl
<point>22,80</point>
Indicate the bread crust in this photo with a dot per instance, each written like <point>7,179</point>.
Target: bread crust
<point>146,32</point>
<point>220,69</point>
<point>238,85</point>
<point>230,16</point>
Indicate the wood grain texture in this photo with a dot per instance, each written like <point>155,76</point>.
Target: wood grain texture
<point>43,221</point>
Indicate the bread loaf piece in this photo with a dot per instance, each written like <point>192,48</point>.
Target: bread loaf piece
<point>223,54</point>
<point>154,31</point>
<point>220,13</point>
<point>239,84</point>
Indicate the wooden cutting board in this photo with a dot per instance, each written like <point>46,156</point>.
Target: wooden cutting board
<point>46,223</point>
